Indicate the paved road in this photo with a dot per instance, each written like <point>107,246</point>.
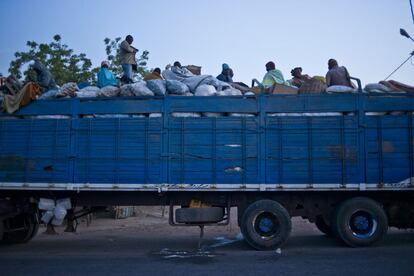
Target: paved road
<point>127,248</point>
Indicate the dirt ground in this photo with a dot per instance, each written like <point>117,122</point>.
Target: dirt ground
<point>146,245</point>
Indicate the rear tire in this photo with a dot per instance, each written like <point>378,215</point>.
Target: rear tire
<point>19,229</point>
<point>266,225</point>
<point>360,222</point>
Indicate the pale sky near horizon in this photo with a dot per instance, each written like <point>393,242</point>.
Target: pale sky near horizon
<point>362,35</point>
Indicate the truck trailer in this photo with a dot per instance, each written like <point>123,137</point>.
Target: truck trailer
<point>344,161</point>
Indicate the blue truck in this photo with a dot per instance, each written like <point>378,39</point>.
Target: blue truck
<point>343,161</point>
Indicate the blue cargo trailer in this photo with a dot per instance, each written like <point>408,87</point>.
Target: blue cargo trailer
<point>343,161</point>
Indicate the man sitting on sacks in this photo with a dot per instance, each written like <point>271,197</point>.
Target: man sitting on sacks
<point>30,91</point>
<point>227,76</point>
<point>154,75</point>
<point>274,82</point>
<point>182,74</point>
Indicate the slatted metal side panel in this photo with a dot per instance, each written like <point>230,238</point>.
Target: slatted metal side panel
<point>312,150</point>
<point>221,150</point>
<point>34,150</point>
<point>389,148</point>
<point>118,150</point>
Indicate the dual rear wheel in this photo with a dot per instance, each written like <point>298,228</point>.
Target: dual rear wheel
<point>360,221</point>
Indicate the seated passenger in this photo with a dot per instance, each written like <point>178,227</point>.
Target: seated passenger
<point>44,78</point>
<point>105,76</point>
<point>273,76</point>
<point>154,75</point>
<point>337,75</point>
<point>226,73</point>
<point>298,79</point>
<point>181,71</point>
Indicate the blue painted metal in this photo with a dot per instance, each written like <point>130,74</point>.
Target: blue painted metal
<point>342,149</point>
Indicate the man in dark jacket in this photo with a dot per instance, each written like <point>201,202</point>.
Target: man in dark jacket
<point>226,73</point>
<point>44,77</point>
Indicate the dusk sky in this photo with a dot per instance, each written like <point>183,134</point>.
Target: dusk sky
<point>362,35</point>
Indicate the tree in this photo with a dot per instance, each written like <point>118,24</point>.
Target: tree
<point>64,65</point>
<point>113,55</point>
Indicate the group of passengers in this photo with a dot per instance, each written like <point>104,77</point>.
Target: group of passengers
<point>337,75</point>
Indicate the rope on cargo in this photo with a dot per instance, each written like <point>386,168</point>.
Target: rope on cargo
<point>401,65</point>
<point>412,11</point>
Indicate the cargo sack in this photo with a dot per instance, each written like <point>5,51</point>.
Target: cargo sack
<point>196,70</point>
<point>88,92</point>
<point>50,94</point>
<point>194,82</point>
<point>282,89</point>
<point>68,90</point>
<point>205,90</point>
<point>230,92</point>
<point>158,87</point>
<point>398,86</point>
<point>176,87</point>
<point>377,87</point>
<point>340,89</point>
<point>313,85</point>
<point>241,115</point>
<point>135,89</point>
<point>108,91</point>
<point>141,89</point>
<point>185,114</point>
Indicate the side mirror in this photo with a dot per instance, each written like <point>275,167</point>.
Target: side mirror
<point>404,33</point>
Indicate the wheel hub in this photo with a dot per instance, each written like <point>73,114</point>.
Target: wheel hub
<point>266,225</point>
<point>363,224</point>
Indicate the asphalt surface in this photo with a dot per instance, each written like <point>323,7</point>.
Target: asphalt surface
<point>146,245</point>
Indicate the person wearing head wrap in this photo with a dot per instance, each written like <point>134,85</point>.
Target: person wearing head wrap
<point>273,76</point>
<point>105,76</point>
<point>226,73</point>
<point>298,79</point>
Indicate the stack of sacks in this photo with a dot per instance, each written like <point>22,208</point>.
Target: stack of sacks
<point>108,91</point>
<point>135,89</point>
<point>206,90</point>
<point>88,92</point>
<point>158,87</point>
<point>175,87</point>
<point>67,90</point>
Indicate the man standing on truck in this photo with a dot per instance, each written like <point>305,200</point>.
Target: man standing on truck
<point>337,75</point>
<point>127,56</point>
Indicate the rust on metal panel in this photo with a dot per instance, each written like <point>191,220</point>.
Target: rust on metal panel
<point>337,152</point>
<point>387,147</point>
<point>15,163</point>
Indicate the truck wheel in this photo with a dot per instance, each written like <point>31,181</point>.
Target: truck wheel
<point>266,225</point>
<point>19,229</point>
<point>360,222</point>
<point>322,226</point>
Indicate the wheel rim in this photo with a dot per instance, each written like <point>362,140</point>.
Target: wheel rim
<point>363,224</point>
<point>266,225</point>
<point>19,229</point>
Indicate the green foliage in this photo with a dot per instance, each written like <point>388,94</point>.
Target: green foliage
<point>64,65</point>
<point>113,55</point>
